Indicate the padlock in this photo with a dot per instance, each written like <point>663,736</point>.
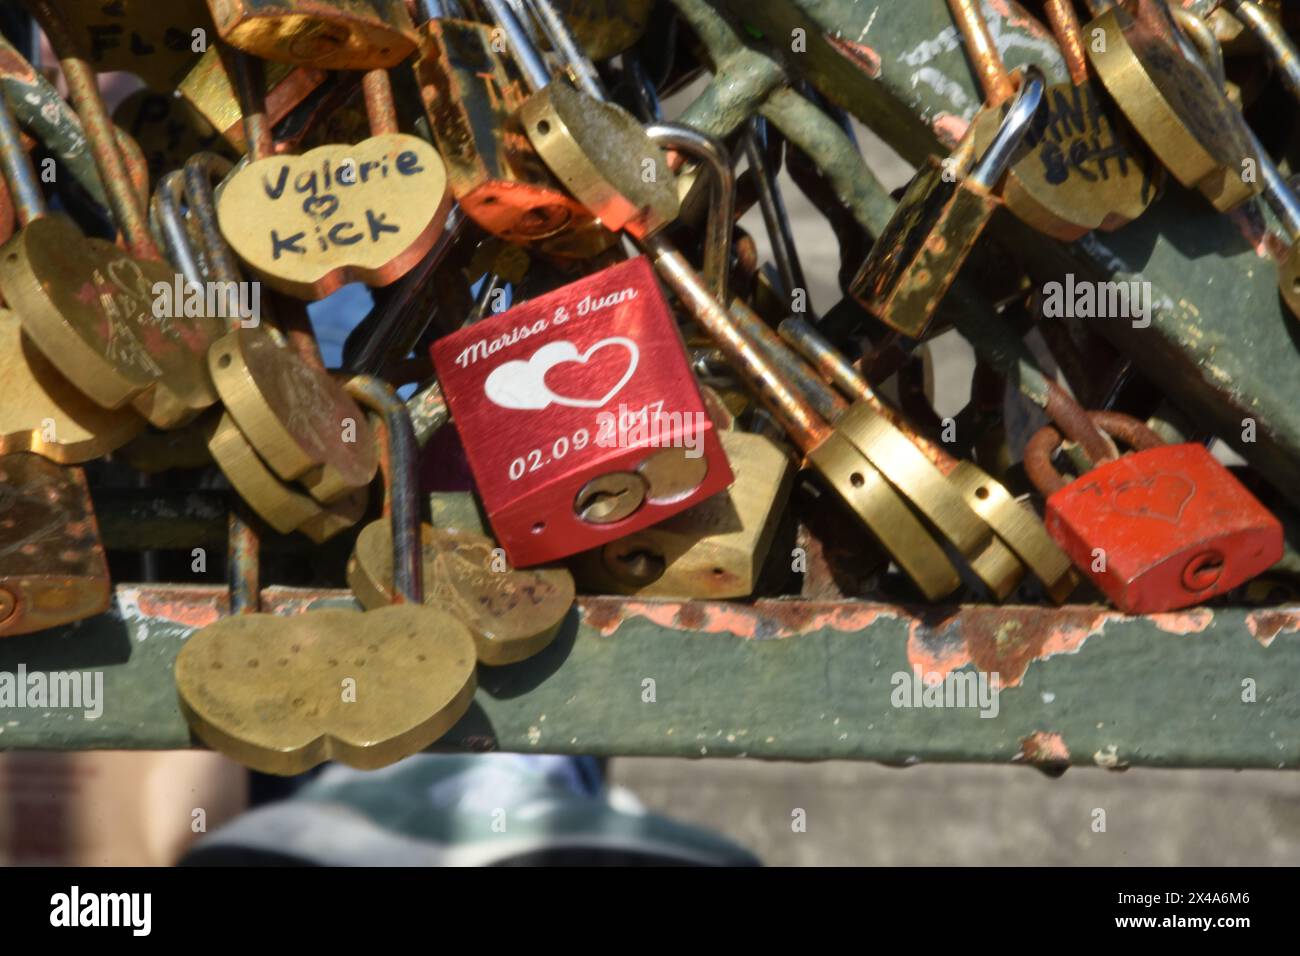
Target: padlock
<point>942,213</point>
<point>283,694</point>
<point>513,614</point>
<point>168,130</point>
<point>157,42</point>
<point>209,89</point>
<point>588,142</point>
<point>308,224</point>
<point>1162,528</point>
<point>604,29</point>
<point>892,451</point>
<point>327,34</point>
<point>580,416</point>
<point>1015,525</point>
<point>470,97</point>
<point>91,309</point>
<point>713,550</point>
<point>1173,104</point>
<point>298,420</point>
<point>1079,167</point>
<point>52,566</point>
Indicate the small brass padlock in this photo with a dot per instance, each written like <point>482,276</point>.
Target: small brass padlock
<point>328,34</point>
<point>1174,104</point>
<point>919,252</point>
<point>52,566</point>
<point>283,694</point>
<point>308,224</point>
<point>496,177</point>
<point>714,550</point>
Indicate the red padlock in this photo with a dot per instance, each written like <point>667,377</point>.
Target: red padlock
<point>1164,527</point>
<point>579,415</point>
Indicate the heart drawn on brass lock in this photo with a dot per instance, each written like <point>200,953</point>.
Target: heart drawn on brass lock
<point>1161,496</point>
<point>340,213</point>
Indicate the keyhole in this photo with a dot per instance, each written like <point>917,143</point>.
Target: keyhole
<point>1203,571</point>
<point>639,565</point>
<point>611,497</point>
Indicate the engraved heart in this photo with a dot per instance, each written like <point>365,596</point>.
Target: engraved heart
<point>558,373</point>
<point>282,694</point>
<point>1162,496</point>
<point>308,224</point>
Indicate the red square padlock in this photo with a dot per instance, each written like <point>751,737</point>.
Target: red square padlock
<point>580,416</point>
<point>1163,528</point>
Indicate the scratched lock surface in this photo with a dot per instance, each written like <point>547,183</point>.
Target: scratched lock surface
<point>587,380</point>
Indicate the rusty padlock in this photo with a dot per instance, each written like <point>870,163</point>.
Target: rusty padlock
<point>580,416</point>
<point>1159,529</point>
<point>937,222</point>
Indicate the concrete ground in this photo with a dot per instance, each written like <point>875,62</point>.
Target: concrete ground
<point>942,815</point>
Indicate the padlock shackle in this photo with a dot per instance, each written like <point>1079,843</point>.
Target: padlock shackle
<point>1069,38</point>
<point>249,76</point>
<point>995,81</point>
<point>1042,446</point>
<point>168,223</point>
<point>722,211</point>
<point>381,110</point>
<point>201,170</point>
<point>1285,54</point>
<point>536,73</point>
<point>19,173</point>
<point>1015,126</point>
<point>83,88</point>
<point>566,44</point>
<point>397,464</point>
<point>776,219</point>
<point>1204,45</point>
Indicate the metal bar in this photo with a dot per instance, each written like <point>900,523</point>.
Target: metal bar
<point>1076,685</point>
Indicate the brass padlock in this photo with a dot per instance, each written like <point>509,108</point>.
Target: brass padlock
<point>157,42</point>
<point>853,478</point>
<point>209,89</point>
<point>1079,168</point>
<point>52,566</point>
<point>308,224</point>
<point>714,550</point>
<point>919,252</point>
<point>94,310</point>
<point>328,34</point>
<point>1173,103</point>
<point>1017,527</point>
<point>512,614</point>
<point>283,694</point>
<point>470,97</point>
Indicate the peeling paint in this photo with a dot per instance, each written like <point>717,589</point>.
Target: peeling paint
<point>1265,626</point>
<point>1044,748</point>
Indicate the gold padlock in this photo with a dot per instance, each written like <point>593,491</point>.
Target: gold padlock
<point>1080,168</point>
<point>335,35</point>
<point>714,550</point>
<point>1173,103</point>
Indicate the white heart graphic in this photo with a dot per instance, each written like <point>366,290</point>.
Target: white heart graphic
<point>522,384</point>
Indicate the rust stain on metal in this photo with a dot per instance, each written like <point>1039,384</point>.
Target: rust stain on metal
<point>187,606</point>
<point>859,54</point>
<point>1002,640</point>
<point>1045,749</point>
<point>1195,621</point>
<point>1265,626</point>
<point>763,620</point>
<point>949,129</point>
